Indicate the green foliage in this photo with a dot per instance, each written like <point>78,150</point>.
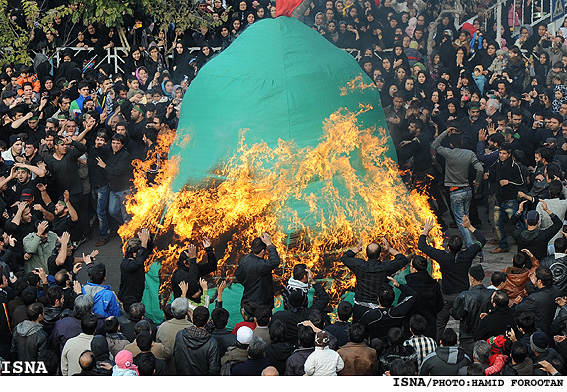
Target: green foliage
<point>182,13</point>
<point>14,38</point>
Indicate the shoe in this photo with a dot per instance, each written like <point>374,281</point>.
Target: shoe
<point>499,250</point>
<point>78,243</point>
<point>493,241</point>
<point>102,242</point>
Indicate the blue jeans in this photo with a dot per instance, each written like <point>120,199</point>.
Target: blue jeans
<point>460,202</point>
<point>117,206</point>
<point>501,209</point>
<point>101,198</point>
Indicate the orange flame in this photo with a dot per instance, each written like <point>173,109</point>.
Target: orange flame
<point>252,199</point>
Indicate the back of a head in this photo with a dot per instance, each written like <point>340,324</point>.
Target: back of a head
<point>497,278</point>
<point>482,351</point>
<point>34,311</point>
<point>256,348</point>
<point>500,299</point>
<point>97,273</point>
<point>144,341</point>
<point>344,310</point>
<point>544,274</point>
<point>448,337</point>
<point>179,308</point>
<point>356,333</point>
<point>263,315</point>
<point>519,260</point>
<point>137,311</point>
<point>526,321</point>
<point>167,312</point>
<point>82,306</point>
<point>258,246</point>
<point>373,251</point>
<point>455,140</point>
<point>249,309</point>
<point>87,360</point>
<point>61,278</point>
<point>395,338</point>
<point>316,317</point>
<point>111,325</point>
<point>418,324</point>
<point>88,324</point>
<point>419,263</point>
<point>146,364</point>
<point>278,331</point>
<point>475,369</point>
<point>299,271</point>
<point>555,189</point>
<point>220,317</point>
<point>305,336</point>
<point>560,245</point>
<point>519,352</point>
<point>29,295</point>
<point>142,326</point>
<point>400,367</point>
<point>386,296</point>
<point>200,316</point>
<point>455,243</point>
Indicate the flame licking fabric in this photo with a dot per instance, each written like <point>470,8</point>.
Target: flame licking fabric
<point>295,145</point>
<point>254,198</point>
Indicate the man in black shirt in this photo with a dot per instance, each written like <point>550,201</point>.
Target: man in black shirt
<point>132,274</point>
<point>454,264</point>
<point>99,183</point>
<point>64,168</point>
<point>371,274</point>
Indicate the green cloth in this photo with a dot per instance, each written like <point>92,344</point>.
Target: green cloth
<point>279,79</point>
<point>151,294</point>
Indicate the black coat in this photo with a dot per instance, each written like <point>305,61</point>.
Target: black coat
<point>542,304</point>
<point>191,274</point>
<point>224,340</point>
<point>133,276</point>
<point>29,342</point>
<point>196,353</point>
<point>294,316</point>
<point>255,274</point>
<point>468,306</point>
<point>429,300</point>
<point>278,353</point>
<point>295,364</point>
<point>494,324</point>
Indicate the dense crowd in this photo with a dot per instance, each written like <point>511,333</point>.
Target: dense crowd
<point>475,123</point>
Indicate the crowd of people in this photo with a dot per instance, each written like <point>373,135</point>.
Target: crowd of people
<point>475,123</point>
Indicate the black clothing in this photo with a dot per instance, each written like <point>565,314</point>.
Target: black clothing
<point>371,274</point>
<point>454,267</point>
<point>224,340</point>
<point>295,364</point>
<point>278,353</point>
<point>66,171</point>
<point>536,240</point>
<point>255,274</point>
<point>133,276</point>
<point>196,353</point>
<point>494,324</point>
<point>468,306</point>
<point>558,267</point>
<point>292,317</point>
<point>542,304</point>
<point>119,170</point>
<point>339,329</point>
<point>191,274</point>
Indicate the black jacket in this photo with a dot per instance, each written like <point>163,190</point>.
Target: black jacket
<point>196,353</point>
<point>454,267</point>
<point>542,304</point>
<point>468,306</point>
<point>119,170</point>
<point>536,240</point>
<point>291,317</point>
<point>295,364</point>
<point>133,276</point>
<point>558,269</point>
<point>444,361</point>
<point>52,315</point>
<point>507,170</point>
<point>429,300</point>
<point>191,274</point>
<point>379,321</point>
<point>224,340</point>
<point>278,353</point>
<point>494,324</point>
<point>255,274</point>
<point>29,342</point>
<point>371,274</point>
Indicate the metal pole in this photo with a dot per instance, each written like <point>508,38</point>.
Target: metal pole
<point>499,23</point>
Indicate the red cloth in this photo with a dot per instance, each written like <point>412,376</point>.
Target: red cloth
<point>250,324</point>
<point>286,7</point>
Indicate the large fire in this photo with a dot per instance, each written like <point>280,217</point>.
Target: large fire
<point>253,198</point>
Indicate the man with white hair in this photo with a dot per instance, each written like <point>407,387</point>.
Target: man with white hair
<point>492,109</point>
<point>168,330</point>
